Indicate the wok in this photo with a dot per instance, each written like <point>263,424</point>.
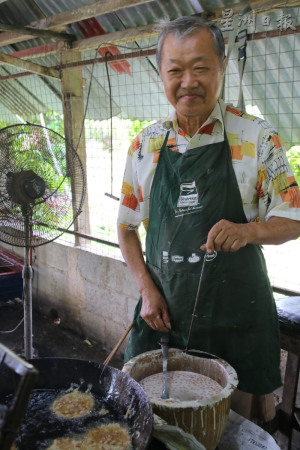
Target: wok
<point>118,390</point>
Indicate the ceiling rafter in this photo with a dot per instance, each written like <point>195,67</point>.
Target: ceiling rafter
<point>117,37</point>
<point>145,53</point>
<point>37,33</point>
<point>57,21</point>
<point>147,31</point>
<point>129,35</point>
<point>29,66</point>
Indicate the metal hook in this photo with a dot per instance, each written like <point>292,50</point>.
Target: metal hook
<point>208,257</point>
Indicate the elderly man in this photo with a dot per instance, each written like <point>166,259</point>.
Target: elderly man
<point>207,179</point>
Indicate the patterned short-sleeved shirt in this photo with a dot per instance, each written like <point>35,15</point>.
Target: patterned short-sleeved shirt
<point>266,181</point>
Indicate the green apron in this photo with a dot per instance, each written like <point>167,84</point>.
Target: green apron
<point>236,316</point>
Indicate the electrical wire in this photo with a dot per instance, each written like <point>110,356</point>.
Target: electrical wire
<point>88,97</point>
<point>91,78</point>
<point>11,331</point>
<point>14,329</point>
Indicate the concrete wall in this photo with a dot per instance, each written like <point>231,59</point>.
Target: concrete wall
<point>94,295</point>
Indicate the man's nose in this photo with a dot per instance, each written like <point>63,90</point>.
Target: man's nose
<point>189,79</point>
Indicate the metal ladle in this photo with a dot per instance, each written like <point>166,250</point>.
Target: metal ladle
<point>207,258</point>
<point>165,338</point>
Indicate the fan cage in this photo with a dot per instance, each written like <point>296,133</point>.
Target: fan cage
<point>33,149</point>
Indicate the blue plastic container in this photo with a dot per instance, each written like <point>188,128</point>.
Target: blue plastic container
<point>11,281</point>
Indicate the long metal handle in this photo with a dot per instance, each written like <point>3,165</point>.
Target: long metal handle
<point>207,257</point>
<point>164,347</point>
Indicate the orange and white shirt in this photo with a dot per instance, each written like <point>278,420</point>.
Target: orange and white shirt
<point>266,181</point>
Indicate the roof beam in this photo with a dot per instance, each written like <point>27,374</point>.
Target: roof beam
<point>39,33</point>
<point>114,38</point>
<point>86,12</point>
<point>58,20</point>
<point>29,66</point>
<point>146,31</point>
<point>144,53</point>
<point>129,35</point>
<point>40,50</point>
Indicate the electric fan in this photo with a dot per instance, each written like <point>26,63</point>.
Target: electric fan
<point>42,187</point>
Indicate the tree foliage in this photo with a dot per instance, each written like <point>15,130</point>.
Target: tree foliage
<point>294,159</point>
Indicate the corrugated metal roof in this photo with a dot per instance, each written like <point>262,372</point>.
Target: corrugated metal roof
<point>270,81</point>
<point>99,105</point>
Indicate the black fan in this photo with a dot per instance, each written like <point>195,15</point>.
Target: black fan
<point>42,188</point>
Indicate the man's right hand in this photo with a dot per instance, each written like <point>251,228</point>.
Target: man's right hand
<point>154,307</point>
<point>154,310</point>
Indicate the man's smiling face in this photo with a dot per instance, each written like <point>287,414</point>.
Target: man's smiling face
<point>192,75</point>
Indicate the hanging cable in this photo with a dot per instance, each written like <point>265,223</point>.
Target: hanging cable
<point>90,85</point>
<point>87,98</point>
<point>108,78</point>
<point>108,53</point>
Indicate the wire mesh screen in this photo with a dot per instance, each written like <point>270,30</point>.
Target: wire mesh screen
<point>119,92</point>
<point>121,98</point>
<point>271,90</point>
<point>271,77</point>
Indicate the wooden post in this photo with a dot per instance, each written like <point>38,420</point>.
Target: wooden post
<point>73,107</point>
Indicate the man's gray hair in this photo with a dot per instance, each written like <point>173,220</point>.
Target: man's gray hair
<point>186,26</point>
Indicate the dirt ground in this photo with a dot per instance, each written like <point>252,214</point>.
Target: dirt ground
<point>49,339</point>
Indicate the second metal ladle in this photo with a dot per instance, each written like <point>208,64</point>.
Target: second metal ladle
<point>207,258</point>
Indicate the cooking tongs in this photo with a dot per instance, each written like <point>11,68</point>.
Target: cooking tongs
<point>208,257</point>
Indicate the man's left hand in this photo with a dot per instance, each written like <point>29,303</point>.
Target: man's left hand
<point>226,236</point>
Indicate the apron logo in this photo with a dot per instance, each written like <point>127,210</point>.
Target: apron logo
<point>192,259</point>
<point>188,195</point>
<point>177,258</point>
<point>188,200</point>
<point>165,257</point>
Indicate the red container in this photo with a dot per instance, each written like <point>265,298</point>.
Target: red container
<point>11,281</point>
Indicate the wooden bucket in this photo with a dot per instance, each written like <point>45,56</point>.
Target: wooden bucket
<point>206,418</point>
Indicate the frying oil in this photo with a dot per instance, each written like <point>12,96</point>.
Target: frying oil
<point>40,425</point>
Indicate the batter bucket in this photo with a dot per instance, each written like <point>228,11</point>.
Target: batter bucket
<point>206,418</point>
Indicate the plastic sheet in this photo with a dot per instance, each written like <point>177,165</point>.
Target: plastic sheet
<point>239,434</point>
